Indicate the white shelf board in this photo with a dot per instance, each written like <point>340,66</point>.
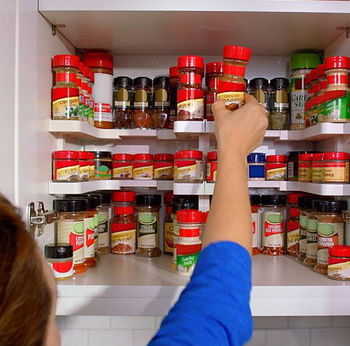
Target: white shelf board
<point>189,128</point>
<point>131,285</point>
<point>165,185</point>
<point>317,189</point>
<point>189,189</point>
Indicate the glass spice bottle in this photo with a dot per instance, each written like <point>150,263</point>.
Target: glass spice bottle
<point>123,198</point>
<point>256,235</point>
<point>174,82</point>
<point>122,102</point>
<point>213,74</point>
<point>276,167</point>
<point>122,166</point>
<point>311,237</point>
<point>279,104</point>
<point>103,165</point>
<point>317,168</point>
<point>336,167</point>
<point>142,112</point>
<point>84,166</point>
<point>142,167</point>
<point>339,262</point>
<point>80,76</point>
<point>258,87</point>
<point>60,259</point>
<point>161,102</point>
<point>305,208</point>
<point>163,167</point>
<point>305,167</point>
<point>65,165</point>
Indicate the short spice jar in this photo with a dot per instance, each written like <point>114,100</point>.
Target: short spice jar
<point>213,74</point>
<point>163,167</point>
<point>311,237</point>
<point>339,263</point>
<point>258,87</point>
<point>279,104</point>
<point>103,165</point>
<point>65,68</point>
<point>161,102</point>
<point>123,198</point>
<point>188,166</point>
<point>168,235</point>
<point>276,167</point>
<point>293,165</point>
<point>336,167</point>
<point>256,166</point>
<point>189,245</point>
<point>65,165</point>
<point>122,166</point>
<point>142,112</point>
<point>330,229</point>
<point>256,235</point>
<point>272,213</point>
<point>84,166</point>
<point>337,69</point>
<point>305,168</point>
<point>174,82</point>
<point>305,209</point>
<point>60,259</point>
<point>212,166</point>
<point>142,167</point>
<point>122,102</point>
<point>317,168</point>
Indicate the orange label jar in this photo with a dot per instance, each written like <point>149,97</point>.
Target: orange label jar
<point>255,206</point>
<point>122,166</point>
<point>336,167</point>
<point>84,166</point>
<point>276,167</point>
<point>163,166</point>
<point>305,169</point>
<point>188,166</point>
<point>65,165</point>
<point>339,263</point>
<point>213,74</point>
<point>317,168</point>
<point>212,166</point>
<point>142,167</point>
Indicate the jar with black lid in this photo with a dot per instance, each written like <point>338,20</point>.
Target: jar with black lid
<point>122,102</point>
<point>293,165</point>
<point>103,165</point>
<point>142,112</point>
<point>279,103</point>
<point>161,104</point>
<point>258,87</point>
<point>60,259</point>
<point>174,82</point>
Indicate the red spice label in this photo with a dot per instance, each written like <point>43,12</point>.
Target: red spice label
<point>230,86</point>
<point>180,163</point>
<point>212,168</point>
<point>103,112</point>
<point>77,241</point>
<point>62,267</point>
<point>89,237</point>
<point>338,79</point>
<point>67,77</point>
<point>187,249</point>
<point>65,170</point>
<point>273,229</point>
<point>335,260</point>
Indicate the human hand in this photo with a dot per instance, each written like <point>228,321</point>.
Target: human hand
<point>241,131</point>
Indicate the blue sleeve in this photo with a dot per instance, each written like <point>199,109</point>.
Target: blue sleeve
<point>214,307</point>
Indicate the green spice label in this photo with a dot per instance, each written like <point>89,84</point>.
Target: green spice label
<point>103,172</point>
<point>147,227</point>
<point>103,235</point>
<point>186,263</point>
<point>298,98</point>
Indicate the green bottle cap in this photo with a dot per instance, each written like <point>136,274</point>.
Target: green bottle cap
<point>305,60</point>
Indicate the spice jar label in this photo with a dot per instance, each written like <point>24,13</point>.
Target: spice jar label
<point>122,172</point>
<point>311,237</point>
<point>67,108</point>
<point>273,230</point>
<point>339,269</point>
<point>276,173</point>
<point>305,172</point>
<point>103,112</point>
<point>168,237</point>
<point>84,172</point>
<point>298,98</point>
<point>145,172</point>
<point>70,173</point>
<point>103,172</point>
<point>186,257</point>
<point>233,99</point>
<point>188,170</point>
<point>103,237</point>
<point>293,237</point>
<point>163,173</point>
<point>336,172</point>
<point>62,270</point>
<point>123,242</point>
<point>191,109</point>
<point>89,246</point>
<point>147,230</point>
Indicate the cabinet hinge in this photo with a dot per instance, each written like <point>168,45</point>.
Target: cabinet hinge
<point>54,28</point>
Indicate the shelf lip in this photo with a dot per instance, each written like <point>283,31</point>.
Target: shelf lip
<point>189,128</point>
<point>189,189</point>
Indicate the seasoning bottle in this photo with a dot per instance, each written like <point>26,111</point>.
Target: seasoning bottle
<point>122,166</point>
<point>336,167</point>
<point>232,85</point>
<point>190,97</point>
<point>123,198</point>
<point>213,74</point>
<point>305,208</point>
<point>103,165</point>
<point>330,229</point>
<point>311,237</point>
<point>163,167</point>
<point>276,167</point>
<point>256,166</point>
<point>161,106</point>
<point>346,217</point>
<point>305,169</point>
<point>279,104</point>
<point>212,166</point>
<point>142,167</point>
<point>65,165</point>
<point>293,165</point>
<point>273,213</point>
<point>188,166</point>
<point>91,159</point>
<point>317,168</point>
<point>168,236</point>
<point>174,82</point>
<point>256,236</point>
<point>122,102</point>
<point>65,68</point>
<point>84,166</point>
<point>92,103</point>
<point>69,228</point>
<point>337,69</point>
<point>80,76</point>
<point>339,262</point>
<point>60,259</point>
<point>147,224</point>
<point>189,245</point>
<point>301,64</point>
<point>86,99</point>
<point>258,87</point>
<point>142,113</point>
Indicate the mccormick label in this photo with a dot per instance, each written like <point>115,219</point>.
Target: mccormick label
<point>298,98</point>
<point>273,230</point>
<point>147,230</point>
<point>188,170</point>
<point>123,241</point>
<point>90,223</point>
<point>311,237</point>
<point>62,270</point>
<point>276,171</point>
<point>232,94</point>
<point>163,171</point>
<point>84,172</point>
<point>186,257</point>
<point>212,168</point>
<point>120,171</point>
<point>339,268</point>
<point>144,172</point>
<point>103,236</point>
<point>168,237</point>
<point>190,104</point>
<point>66,170</point>
<point>102,112</point>
<point>336,172</point>
<point>67,107</point>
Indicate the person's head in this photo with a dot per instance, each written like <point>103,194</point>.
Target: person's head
<point>27,286</point>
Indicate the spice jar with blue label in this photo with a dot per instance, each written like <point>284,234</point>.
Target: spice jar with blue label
<point>256,166</point>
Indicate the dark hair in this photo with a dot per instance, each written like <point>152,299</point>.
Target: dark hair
<point>25,297</point>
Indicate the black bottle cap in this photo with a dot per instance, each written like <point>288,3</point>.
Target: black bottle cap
<point>58,251</point>
<point>149,200</point>
<point>255,199</point>
<point>70,205</point>
<point>258,83</point>
<point>329,206</point>
<point>122,82</point>
<point>142,82</point>
<point>102,197</point>
<point>102,154</point>
<point>273,200</point>
<point>279,83</point>
<point>161,82</point>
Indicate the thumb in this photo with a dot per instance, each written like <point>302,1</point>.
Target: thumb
<point>218,108</point>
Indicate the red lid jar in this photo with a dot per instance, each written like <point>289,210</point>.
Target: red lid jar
<point>336,167</point>
<point>163,167</point>
<point>212,166</point>
<point>91,159</point>
<point>65,165</point>
<point>188,166</point>
<point>142,167</point>
<point>213,74</point>
<point>65,68</point>
<point>122,166</point>
<point>84,166</point>
<point>339,262</point>
<point>123,198</point>
<point>276,167</point>
<point>337,69</point>
<point>305,169</point>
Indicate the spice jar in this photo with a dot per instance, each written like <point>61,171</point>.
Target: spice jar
<point>163,167</point>
<point>161,107</point>
<point>142,167</point>
<point>147,223</point>
<point>86,96</point>
<point>189,245</point>
<point>80,76</point>
<point>91,119</point>
<point>212,166</point>
<point>69,228</point>
<point>273,213</point>
<point>339,263</point>
<point>317,168</point>
<point>276,167</point>
<point>256,236</point>
<point>311,237</point>
<point>190,97</point>
<point>305,208</point>
<point>168,235</point>
<point>60,259</point>
<point>279,104</point>
<point>65,68</point>
<point>123,198</point>
<point>256,166</point>
<point>174,82</point>
<point>232,85</point>
<point>103,165</point>
<point>122,166</point>
<point>213,74</point>
<point>65,165</point>
<point>188,166</point>
<point>293,165</point>
<point>123,230</point>
<point>330,229</point>
<point>258,87</point>
<point>305,170</point>
<point>84,166</point>
<point>142,112</point>
<point>336,167</point>
<point>337,69</point>
<point>122,102</point>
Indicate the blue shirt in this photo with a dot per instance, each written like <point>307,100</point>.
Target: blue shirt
<point>214,307</point>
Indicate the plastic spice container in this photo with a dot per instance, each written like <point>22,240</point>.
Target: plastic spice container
<point>80,76</point>
<point>337,69</point>
<point>232,85</point>
<point>276,167</point>
<point>279,104</point>
<point>317,168</point>
<point>123,231</point>
<point>311,238</point>
<point>305,208</point>
<point>60,259</point>
<point>188,166</point>
<point>65,68</point>
<point>103,165</point>
<point>123,198</point>
<point>305,169</point>
<point>122,166</point>
<point>142,113</point>
<point>189,245</point>
<point>147,224</point>
<point>301,64</point>
<point>256,166</point>
<point>336,167</point>
<point>122,103</point>
<point>256,236</point>
<point>69,228</point>
<point>84,166</point>
<point>322,77</point>
<point>65,165</point>
<point>163,167</point>
<point>330,229</point>
<point>190,97</point>
<point>161,106</point>
<point>212,166</point>
<point>293,164</point>
<point>258,87</point>
<point>213,74</point>
<point>339,263</point>
<point>91,160</point>
<point>142,167</point>
<point>91,120</point>
<point>174,82</point>
<point>272,213</point>
<point>65,103</point>
<point>168,236</point>
<point>86,96</point>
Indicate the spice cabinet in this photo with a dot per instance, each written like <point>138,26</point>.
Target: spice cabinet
<point>35,32</point>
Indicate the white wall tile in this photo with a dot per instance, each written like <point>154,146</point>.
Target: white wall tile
<point>258,339</point>
<point>330,337</point>
<point>143,337</point>
<point>61,322</point>
<point>309,322</point>
<point>159,320</point>
<point>341,321</point>
<point>132,322</point>
<point>288,337</point>
<point>270,322</point>
<point>74,338</point>
<point>109,337</point>
<point>87,322</point>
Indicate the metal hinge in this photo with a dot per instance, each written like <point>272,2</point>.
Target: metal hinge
<point>54,28</point>
<point>38,217</point>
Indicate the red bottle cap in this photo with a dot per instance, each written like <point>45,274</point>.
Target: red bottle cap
<point>98,59</point>
<point>163,157</point>
<point>214,67</point>
<point>81,67</point>
<point>65,60</point>
<point>190,233</point>
<point>143,157</point>
<point>189,154</point>
<point>86,72</point>
<point>190,61</point>
<point>123,210</point>
<point>205,216</point>
<point>92,76</point>
<point>122,157</point>
<point>212,156</point>
<point>65,154</point>
<point>276,158</point>
<point>334,62</point>
<point>168,197</point>
<point>336,155</point>
<point>314,74</point>
<point>339,251</point>
<point>317,157</point>
<point>306,157</point>
<point>293,197</point>
<point>123,196</point>
<point>83,155</point>
<point>236,52</point>
<point>189,216</point>
<point>173,71</point>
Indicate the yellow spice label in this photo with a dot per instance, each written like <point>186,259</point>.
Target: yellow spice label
<point>122,172</point>
<point>305,174</point>
<point>193,109</point>
<point>276,173</point>
<point>143,172</point>
<point>336,174</point>
<point>168,236</point>
<point>92,172</point>
<point>67,107</point>
<point>339,270</point>
<point>232,99</point>
<point>84,172</point>
<point>185,173</point>
<point>68,173</point>
<point>164,172</point>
